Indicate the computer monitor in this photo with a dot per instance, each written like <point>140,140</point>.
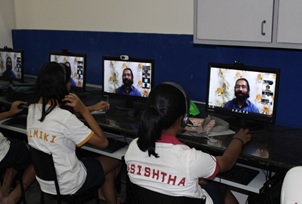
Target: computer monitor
<point>229,84</point>
<point>11,64</point>
<point>127,79</point>
<point>77,63</point>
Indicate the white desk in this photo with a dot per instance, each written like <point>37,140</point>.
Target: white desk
<point>254,186</point>
<point>12,128</point>
<point>117,154</point>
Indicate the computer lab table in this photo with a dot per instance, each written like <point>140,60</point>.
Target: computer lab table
<point>273,149</point>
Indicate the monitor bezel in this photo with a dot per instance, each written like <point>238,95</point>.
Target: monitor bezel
<point>122,58</point>
<point>71,54</point>
<point>262,118</point>
<point>21,52</point>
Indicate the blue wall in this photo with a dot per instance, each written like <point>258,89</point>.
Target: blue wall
<point>176,59</point>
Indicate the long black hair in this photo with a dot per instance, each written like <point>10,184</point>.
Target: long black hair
<point>165,104</point>
<point>51,86</point>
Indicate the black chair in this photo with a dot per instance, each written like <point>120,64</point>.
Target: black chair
<point>139,195</point>
<point>45,170</point>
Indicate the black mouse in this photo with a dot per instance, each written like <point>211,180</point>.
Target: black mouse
<point>23,106</point>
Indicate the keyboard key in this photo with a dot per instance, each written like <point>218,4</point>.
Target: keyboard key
<point>239,174</point>
<point>112,147</point>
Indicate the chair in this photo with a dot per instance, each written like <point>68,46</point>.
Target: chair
<point>292,185</point>
<point>139,195</point>
<point>45,170</point>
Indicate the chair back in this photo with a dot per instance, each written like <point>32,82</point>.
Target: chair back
<point>45,170</point>
<point>44,166</point>
<point>291,187</point>
<point>140,195</point>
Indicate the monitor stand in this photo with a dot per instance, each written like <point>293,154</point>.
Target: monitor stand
<point>238,123</point>
<point>133,108</point>
<point>80,92</point>
<point>4,85</point>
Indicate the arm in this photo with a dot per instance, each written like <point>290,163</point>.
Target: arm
<point>12,111</point>
<point>102,105</point>
<point>232,152</point>
<point>98,139</point>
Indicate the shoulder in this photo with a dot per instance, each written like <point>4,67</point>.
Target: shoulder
<point>132,150</point>
<point>135,90</point>
<point>229,102</point>
<point>252,106</point>
<point>118,89</point>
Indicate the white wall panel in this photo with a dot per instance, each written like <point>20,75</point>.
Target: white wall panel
<point>142,16</point>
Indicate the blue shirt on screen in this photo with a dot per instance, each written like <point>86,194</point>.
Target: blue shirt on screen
<point>134,91</point>
<point>248,106</point>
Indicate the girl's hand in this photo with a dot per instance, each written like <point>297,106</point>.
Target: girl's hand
<point>72,100</point>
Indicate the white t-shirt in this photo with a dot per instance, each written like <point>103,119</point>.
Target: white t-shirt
<point>4,146</point>
<point>175,172</point>
<point>59,134</point>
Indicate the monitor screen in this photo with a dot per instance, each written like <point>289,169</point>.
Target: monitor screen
<point>128,78</point>
<point>243,93</point>
<point>11,64</point>
<point>77,63</point>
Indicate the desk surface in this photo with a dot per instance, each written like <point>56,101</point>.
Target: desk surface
<point>273,148</point>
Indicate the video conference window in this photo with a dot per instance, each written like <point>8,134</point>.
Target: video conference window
<point>76,64</point>
<point>11,65</point>
<point>262,86</point>
<point>118,74</point>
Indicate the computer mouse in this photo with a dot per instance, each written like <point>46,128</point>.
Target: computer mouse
<point>23,106</point>
<point>98,112</point>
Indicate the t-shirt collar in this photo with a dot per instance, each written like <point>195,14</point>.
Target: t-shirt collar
<point>169,139</point>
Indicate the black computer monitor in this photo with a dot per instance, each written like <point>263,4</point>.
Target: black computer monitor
<point>11,64</point>
<point>261,85</point>
<point>116,72</point>
<point>77,63</point>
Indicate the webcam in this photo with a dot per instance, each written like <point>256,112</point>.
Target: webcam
<point>239,64</point>
<point>124,57</point>
<point>65,51</point>
<point>7,48</point>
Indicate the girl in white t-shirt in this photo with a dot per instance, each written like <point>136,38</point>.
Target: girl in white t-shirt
<point>53,127</point>
<point>158,161</point>
<point>14,158</point>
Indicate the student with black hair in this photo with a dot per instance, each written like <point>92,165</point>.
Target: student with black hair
<point>52,116</point>
<point>158,161</point>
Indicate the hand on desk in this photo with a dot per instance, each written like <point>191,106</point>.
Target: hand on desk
<point>243,136</point>
<point>100,106</point>
<point>73,101</point>
<point>232,152</point>
<point>14,109</point>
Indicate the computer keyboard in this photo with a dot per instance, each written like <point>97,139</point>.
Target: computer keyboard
<point>112,147</point>
<point>239,174</point>
<point>18,121</point>
<point>15,96</point>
